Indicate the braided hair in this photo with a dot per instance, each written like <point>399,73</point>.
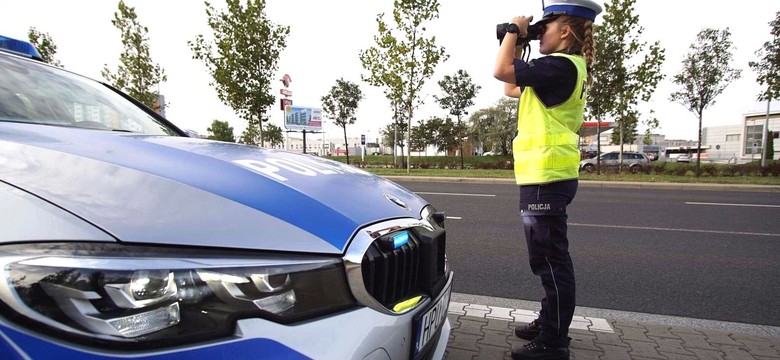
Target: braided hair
<point>582,30</point>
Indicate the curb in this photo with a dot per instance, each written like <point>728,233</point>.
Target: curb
<point>600,184</point>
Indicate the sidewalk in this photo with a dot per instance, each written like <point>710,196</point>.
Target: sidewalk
<point>487,332</point>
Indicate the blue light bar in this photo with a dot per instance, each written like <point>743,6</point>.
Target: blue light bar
<point>400,239</point>
<point>19,47</point>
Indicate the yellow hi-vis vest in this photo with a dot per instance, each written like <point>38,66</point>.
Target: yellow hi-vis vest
<point>546,146</point>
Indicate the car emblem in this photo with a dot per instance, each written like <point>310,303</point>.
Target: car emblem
<point>397,201</point>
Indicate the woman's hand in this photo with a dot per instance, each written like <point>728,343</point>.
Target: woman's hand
<point>522,23</point>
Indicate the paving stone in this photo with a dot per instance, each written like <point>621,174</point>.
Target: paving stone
<point>614,352</point>
<point>500,313</point>
<point>734,352</point>
<point>674,346</point>
<point>524,316</point>
<point>583,341</point>
<point>660,331</point>
<point>471,325</point>
<point>708,354</point>
<point>458,354</point>
<point>581,325</point>
<point>473,310</point>
<point>488,352</point>
<point>636,334</point>
<point>717,337</point>
<point>457,308</point>
<point>673,356</point>
<point>695,341</point>
<point>760,347</point>
<point>684,330</point>
<point>454,320</point>
<point>495,338</point>
<point>464,342</point>
<point>609,339</point>
<point>498,325</point>
<point>600,325</point>
<point>625,323</point>
<point>644,349</point>
<point>582,354</point>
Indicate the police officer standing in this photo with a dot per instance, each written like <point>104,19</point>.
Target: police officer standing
<point>552,97</point>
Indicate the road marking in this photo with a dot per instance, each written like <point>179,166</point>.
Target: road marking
<point>524,316</point>
<point>455,217</point>
<point>724,204</point>
<point>683,230</point>
<point>455,194</point>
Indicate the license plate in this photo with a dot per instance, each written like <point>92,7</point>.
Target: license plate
<point>430,322</point>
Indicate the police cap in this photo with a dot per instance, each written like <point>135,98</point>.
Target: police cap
<point>581,8</point>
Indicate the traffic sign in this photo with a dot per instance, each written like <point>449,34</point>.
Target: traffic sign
<point>285,92</point>
<point>362,139</point>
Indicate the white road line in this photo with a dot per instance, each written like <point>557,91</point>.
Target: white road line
<point>455,217</point>
<point>455,194</point>
<point>683,230</point>
<point>724,204</point>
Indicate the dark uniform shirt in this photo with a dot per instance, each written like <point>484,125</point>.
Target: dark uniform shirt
<point>552,77</point>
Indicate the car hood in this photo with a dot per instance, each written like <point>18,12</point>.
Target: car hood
<point>187,191</point>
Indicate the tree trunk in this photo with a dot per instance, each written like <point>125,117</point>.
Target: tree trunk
<point>460,142</point>
<point>260,118</point>
<point>698,149</point>
<point>346,144</point>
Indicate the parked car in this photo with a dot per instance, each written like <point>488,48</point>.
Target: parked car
<point>122,238</point>
<point>635,162</point>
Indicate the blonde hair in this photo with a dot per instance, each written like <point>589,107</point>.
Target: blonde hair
<point>582,31</point>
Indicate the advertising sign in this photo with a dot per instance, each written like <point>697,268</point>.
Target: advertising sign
<point>303,118</point>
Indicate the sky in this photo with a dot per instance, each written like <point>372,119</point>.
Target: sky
<point>326,38</point>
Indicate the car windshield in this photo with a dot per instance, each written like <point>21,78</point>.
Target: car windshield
<point>36,93</point>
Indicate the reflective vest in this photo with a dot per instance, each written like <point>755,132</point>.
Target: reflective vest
<point>546,146</point>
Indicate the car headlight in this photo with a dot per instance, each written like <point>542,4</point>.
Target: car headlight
<point>114,294</point>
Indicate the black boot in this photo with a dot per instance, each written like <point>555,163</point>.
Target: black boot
<point>539,351</point>
<point>530,331</point>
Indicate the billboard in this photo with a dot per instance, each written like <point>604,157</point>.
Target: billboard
<point>302,118</point>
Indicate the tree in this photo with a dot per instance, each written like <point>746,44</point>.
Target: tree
<point>445,135</point>
<point>768,69</point>
<point>770,145</point>
<point>496,126</point>
<point>393,134</point>
<point>45,45</point>
<point>459,92</point>
<point>422,135</point>
<point>221,131</point>
<point>340,105</point>
<point>247,46</point>
<point>137,74</point>
<point>250,135</point>
<point>651,124</point>
<point>402,65</point>
<point>625,70</point>
<point>274,134</point>
<point>706,71</point>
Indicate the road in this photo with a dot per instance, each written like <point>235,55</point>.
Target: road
<point>699,254</point>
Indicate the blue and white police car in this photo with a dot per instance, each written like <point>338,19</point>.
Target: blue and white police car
<point>122,238</point>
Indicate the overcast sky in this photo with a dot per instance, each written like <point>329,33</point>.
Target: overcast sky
<point>326,37</point>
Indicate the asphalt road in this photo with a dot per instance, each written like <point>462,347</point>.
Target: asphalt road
<point>699,254</point>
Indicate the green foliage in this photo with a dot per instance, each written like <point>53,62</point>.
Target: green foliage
<point>770,145</point>
<point>651,124</point>
<point>422,135</point>
<point>137,74</point>
<point>243,56</point>
<point>403,58</point>
<point>341,103</point>
<point>706,71</point>
<point>626,70</point>
<point>45,45</point>
<point>273,134</point>
<point>445,134</point>
<point>393,133</point>
<point>459,92</point>
<point>250,135</point>
<point>221,131</point>
<point>495,127</point>
<point>768,67</point>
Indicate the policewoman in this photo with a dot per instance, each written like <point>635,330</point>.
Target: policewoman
<point>552,93</point>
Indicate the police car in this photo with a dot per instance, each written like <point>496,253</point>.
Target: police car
<point>122,238</point>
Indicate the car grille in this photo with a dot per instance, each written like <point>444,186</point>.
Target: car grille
<point>416,268</point>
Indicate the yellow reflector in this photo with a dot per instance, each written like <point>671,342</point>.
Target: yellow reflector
<point>406,304</point>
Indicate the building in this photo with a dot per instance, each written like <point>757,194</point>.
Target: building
<point>742,142</point>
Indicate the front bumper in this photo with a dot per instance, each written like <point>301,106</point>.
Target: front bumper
<point>362,333</point>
